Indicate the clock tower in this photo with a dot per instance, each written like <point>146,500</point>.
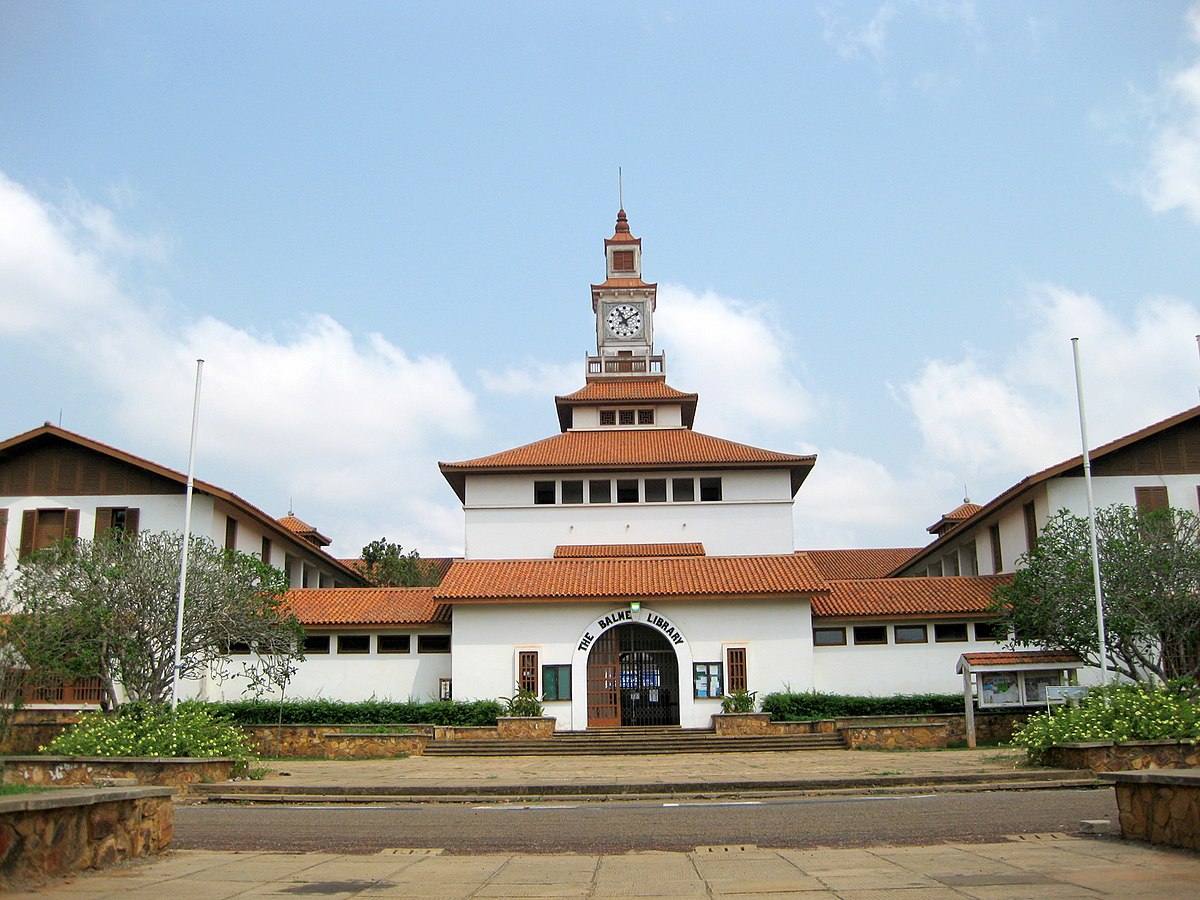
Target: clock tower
<point>624,308</point>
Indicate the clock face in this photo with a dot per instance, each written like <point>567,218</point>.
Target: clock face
<point>624,321</point>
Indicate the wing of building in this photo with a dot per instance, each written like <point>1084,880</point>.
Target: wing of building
<point>626,568</point>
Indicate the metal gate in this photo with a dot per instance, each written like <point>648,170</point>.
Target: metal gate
<point>633,678</point>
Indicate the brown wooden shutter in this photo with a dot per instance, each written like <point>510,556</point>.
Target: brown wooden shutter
<point>527,670</point>
<point>3,532</point>
<point>104,517</point>
<point>231,528</point>
<point>132,520</point>
<point>1150,499</point>
<point>622,260</point>
<point>28,531</point>
<point>71,523</point>
<point>735,670</point>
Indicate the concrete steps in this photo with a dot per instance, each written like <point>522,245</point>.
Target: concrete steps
<point>636,742</point>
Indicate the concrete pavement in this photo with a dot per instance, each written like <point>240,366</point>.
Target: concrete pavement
<point>1032,866</point>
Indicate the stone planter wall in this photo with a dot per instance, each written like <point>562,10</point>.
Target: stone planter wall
<point>990,727</point>
<point>1135,755</point>
<point>525,728</point>
<point>44,835</point>
<point>27,736</point>
<point>1161,807</point>
<point>335,741</point>
<point>73,771</point>
<point>899,736</point>
<point>760,723</point>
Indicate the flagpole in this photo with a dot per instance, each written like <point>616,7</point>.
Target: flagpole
<point>1091,507</point>
<point>187,534</point>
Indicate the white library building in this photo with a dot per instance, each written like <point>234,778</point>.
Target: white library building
<point>628,569</point>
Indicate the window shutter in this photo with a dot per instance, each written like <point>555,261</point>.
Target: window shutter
<point>1150,499</point>
<point>735,658</point>
<point>103,521</point>
<point>132,520</point>
<point>28,530</point>
<point>71,523</point>
<point>3,532</point>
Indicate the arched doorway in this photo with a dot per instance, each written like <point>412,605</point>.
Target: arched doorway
<point>632,678</point>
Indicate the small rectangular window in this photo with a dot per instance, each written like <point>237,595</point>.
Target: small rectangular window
<point>316,643</point>
<point>710,488</point>
<point>949,632</point>
<point>735,660</point>
<point>870,634</point>
<point>239,648</point>
<point>527,670</point>
<point>950,563</point>
<point>433,643</point>
<point>706,678</point>
<point>625,416</point>
<point>608,417</point>
<point>266,550</point>
<point>622,260</point>
<point>1030,526</point>
<point>556,682</point>
<point>911,634</point>
<point>1150,499</point>
<point>445,689</point>
<point>829,637</point>
<point>354,643</point>
<point>645,417</point>
<point>997,557</point>
<point>231,530</point>
<point>683,490</point>
<point>656,490</point>
<point>543,492</point>
<point>989,631</point>
<point>600,491</point>
<point>393,643</point>
<point>627,490</point>
<point>572,492</point>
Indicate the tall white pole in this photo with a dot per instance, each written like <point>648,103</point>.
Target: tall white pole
<point>1091,506</point>
<point>187,536</point>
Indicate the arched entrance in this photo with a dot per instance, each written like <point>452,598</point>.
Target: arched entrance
<point>632,678</point>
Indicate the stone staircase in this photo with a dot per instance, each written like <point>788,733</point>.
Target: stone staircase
<point>636,741</point>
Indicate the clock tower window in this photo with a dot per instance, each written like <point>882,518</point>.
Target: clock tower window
<point>622,261</point>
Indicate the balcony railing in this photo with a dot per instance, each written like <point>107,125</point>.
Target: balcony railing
<point>627,365</point>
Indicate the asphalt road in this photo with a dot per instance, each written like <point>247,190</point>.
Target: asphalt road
<point>620,826</point>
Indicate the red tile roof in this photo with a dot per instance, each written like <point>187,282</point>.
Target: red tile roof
<point>551,580</point>
<point>1063,468</point>
<point>582,551</point>
<point>625,390</point>
<point>304,530</point>
<point>874,563</point>
<point>664,448</point>
<point>623,283</point>
<point>367,606</point>
<point>959,514</point>
<point>1021,658</point>
<point>881,597</point>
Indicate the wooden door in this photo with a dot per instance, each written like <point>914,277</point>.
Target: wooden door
<point>604,682</point>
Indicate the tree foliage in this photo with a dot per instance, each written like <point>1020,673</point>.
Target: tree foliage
<point>1150,574</point>
<point>108,608</point>
<point>387,565</point>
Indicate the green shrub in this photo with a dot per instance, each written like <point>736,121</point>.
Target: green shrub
<point>523,704</point>
<point>192,730</point>
<point>805,705</point>
<point>364,712</point>
<point>1122,712</point>
<point>739,702</point>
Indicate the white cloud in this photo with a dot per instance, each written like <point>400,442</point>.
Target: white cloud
<point>313,413</point>
<point>737,357</point>
<point>1016,415</point>
<point>866,31</point>
<point>1172,178</point>
<point>533,379</point>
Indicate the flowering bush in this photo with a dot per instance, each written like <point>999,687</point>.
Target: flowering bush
<point>192,730</point>
<point>1122,712</point>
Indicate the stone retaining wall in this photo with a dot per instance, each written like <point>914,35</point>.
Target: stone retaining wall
<point>52,833</point>
<point>74,771</point>
<point>334,742</point>
<point>1161,807</point>
<point>525,728</point>
<point>900,736</point>
<point>1110,757</point>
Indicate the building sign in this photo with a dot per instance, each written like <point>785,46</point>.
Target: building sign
<point>628,616</point>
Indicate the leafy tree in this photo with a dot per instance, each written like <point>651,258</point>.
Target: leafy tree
<point>387,565</point>
<point>1150,573</point>
<point>108,608</point>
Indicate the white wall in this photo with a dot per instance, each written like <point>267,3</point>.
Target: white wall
<point>666,415</point>
<point>777,636</point>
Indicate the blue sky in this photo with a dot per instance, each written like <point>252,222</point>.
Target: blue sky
<point>875,227</point>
